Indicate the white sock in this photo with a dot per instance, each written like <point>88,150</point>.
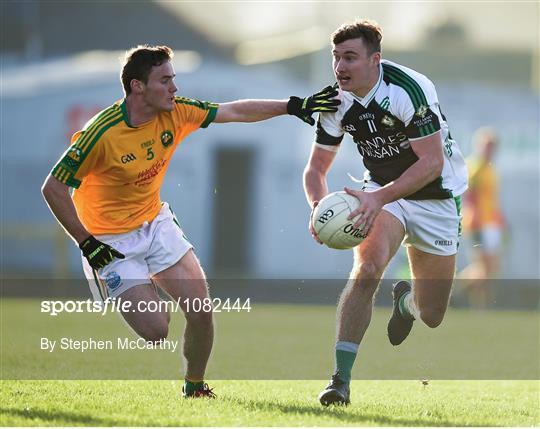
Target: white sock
<point>411,306</point>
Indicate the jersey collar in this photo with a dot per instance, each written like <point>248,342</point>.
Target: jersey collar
<point>123,108</point>
<point>364,101</point>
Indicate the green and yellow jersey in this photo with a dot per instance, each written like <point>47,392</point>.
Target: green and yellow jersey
<point>117,169</point>
<point>484,207</point>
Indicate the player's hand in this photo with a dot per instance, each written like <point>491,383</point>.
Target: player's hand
<point>97,253</point>
<point>322,101</point>
<point>370,206</point>
<point>311,228</point>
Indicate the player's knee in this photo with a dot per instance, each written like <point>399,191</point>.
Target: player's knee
<point>432,317</point>
<point>199,318</point>
<point>368,270</point>
<point>156,333</point>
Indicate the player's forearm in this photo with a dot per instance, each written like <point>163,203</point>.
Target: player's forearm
<point>315,186</point>
<point>417,176</point>
<point>254,110</point>
<point>57,196</point>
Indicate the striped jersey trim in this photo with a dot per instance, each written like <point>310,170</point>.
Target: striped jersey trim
<point>418,98</point>
<point>102,289</point>
<point>87,137</point>
<point>400,78</point>
<point>212,108</point>
<point>99,116</point>
<point>89,144</point>
<point>425,134</point>
<point>204,105</point>
<point>85,144</point>
<point>212,112</point>
<point>458,209</point>
<point>123,109</point>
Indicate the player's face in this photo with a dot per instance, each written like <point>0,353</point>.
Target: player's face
<point>160,89</point>
<point>354,68</point>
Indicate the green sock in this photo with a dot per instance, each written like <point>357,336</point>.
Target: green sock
<point>404,306</point>
<point>345,356</point>
<point>192,386</point>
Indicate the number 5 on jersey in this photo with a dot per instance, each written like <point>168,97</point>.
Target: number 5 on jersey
<point>149,154</point>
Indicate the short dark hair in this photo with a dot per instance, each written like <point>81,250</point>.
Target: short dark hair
<point>138,63</point>
<point>369,31</point>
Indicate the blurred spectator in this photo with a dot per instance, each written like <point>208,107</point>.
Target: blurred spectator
<point>483,220</point>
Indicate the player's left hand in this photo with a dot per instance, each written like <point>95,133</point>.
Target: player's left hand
<point>311,227</point>
<point>370,206</point>
<point>322,101</point>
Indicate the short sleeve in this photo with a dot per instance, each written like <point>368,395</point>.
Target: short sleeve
<point>78,160</point>
<point>194,114</point>
<point>415,102</point>
<point>329,133</point>
<point>423,122</point>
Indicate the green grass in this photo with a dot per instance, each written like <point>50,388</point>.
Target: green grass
<point>282,345</point>
<point>269,403</point>
<point>496,345</point>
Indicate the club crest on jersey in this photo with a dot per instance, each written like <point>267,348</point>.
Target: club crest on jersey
<point>387,121</point>
<point>75,154</point>
<point>166,138</point>
<point>72,160</point>
<point>421,111</point>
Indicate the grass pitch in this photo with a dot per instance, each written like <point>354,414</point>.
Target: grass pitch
<point>286,345</point>
<point>269,403</point>
<point>276,342</point>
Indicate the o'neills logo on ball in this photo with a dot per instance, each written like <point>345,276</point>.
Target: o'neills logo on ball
<point>353,232</point>
<point>325,217</point>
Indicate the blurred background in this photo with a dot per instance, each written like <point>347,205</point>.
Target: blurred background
<point>237,188</point>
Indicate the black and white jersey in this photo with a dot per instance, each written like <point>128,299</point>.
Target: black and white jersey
<point>401,107</point>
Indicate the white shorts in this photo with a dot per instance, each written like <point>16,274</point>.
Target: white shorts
<point>432,226</point>
<point>149,250</point>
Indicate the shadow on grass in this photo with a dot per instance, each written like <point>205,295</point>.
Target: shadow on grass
<point>57,417</point>
<point>348,415</point>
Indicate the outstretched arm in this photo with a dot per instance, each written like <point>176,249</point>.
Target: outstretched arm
<point>259,110</point>
<point>250,110</point>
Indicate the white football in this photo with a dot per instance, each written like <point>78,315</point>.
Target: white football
<point>331,224</point>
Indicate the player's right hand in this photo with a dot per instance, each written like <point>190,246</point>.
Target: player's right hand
<point>322,101</point>
<point>97,253</point>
